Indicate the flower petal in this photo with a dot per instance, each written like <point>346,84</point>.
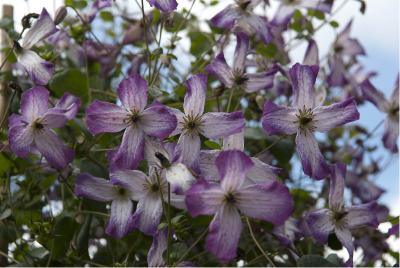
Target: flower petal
<point>303,79</point>
<point>148,213</point>
<point>283,15</point>
<point>391,134</point>
<point>220,69</point>
<point>279,119</point>
<point>158,246</point>
<point>34,103</point>
<point>313,162</point>
<point>233,165</point>
<point>180,178</point>
<point>224,233</point>
<point>131,150</point>
<point>166,6</point>
<point>324,6</point>
<point>207,165</point>
<point>118,224</point>
<point>94,188</point>
<point>336,186</point>
<point>345,237</point>
<point>234,142</point>
<point>269,202</point>
<point>260,81</point>
<point>40,29</point>
<point>39,70</point>
<point>225,18</point>
<point>204,198</point>
<point>133,180</point>
<point>70,103</point>
<point>242,46</point>
<point>157,121</point>
<point>362,215</point>
<point>334,115</point>
<point>374,96</point>
<point>260,26</point>
<point>262,172</point>
<point>20,136</point>
<point>187,149</point>
<point>54,118</point>
<point>320,224</point>
<point>52,148</point>
<point>337,76</point>
<point>105,117</point>
<point>311,56</point>
<point>218,125</point>
<point>132,92</point>
<point>195,97</point>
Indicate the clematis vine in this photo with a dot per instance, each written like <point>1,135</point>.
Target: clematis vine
<point>265,201</point>
<point>337,218</point>
<point>39,70</point>
<point>194,122</point>
<point>134,118</point>
<point>32,130</point>
<point>240,16</point>
<point>307,116</point>
<point>236,77</point>
<point>390,107</point>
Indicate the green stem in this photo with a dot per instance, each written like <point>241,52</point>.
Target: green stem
<point>270,146</point>
<point>191,247</point>
<point>169,226</point>
<point>258,244</point>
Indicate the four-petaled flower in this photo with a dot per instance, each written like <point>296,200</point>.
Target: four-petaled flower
<point>236,76</point>
<point>337,218</point>
<point>33,128</point>
<point>166,6</point>
<point>390,107</point>
<point>39,70</point>
<point>306,117</point>
<point>134,118</point>
<point>194,122</point>
<point>265,201</point>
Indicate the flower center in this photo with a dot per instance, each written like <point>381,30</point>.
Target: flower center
<point>243,5</point>
<point>239,77</point>
<point>191,123</point>
<point>305,118</point>
<point>339,218</point>
<point>394,112</point>
<point>37,125</point>
<point>230,198</point>
<point>154,187</point>
<point>134,118</point>
<point>121,192</point>
<point>338,48</point>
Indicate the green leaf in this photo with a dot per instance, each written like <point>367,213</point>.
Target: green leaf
<point>334,24</point>
<point>314,261</point>
<point>333,242</point>
<point>63,232</point>
<point>72,81</point>
<point>82,239</point>
<point>107,16</point>
<point>5,164</point>
<point>200,42</point>
<point>6,213</point>
<point>268,51</point>
<point>212,145</point>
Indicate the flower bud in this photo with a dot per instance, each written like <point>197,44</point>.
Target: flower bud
<point>26,20</point>
<point>61,13</point>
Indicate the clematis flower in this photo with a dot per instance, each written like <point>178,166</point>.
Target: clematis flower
<point>288,7</point>
<point>311,57</point>
<point>337,218</point>
<point>259,173</point>
<point>390,107</point>
<point>158,246</point>
<point>124,187</point>
<point>33,128</point>
<point>194,122</point>
<point>269,201</point>
<point>134,118</point>
<point>344,46</point>
<point>241,16</point>
<point>305,117</point>
<point>166,6</point>
<point>236,76</point>
<point>146,190</point>
<point>363,188</point>
<point>39,70</point>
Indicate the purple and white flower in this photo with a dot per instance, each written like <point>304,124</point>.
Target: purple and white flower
<point>337,218</point>
<point>33,128</point>
<point>306,116</point>
<point>268,201</point>
<point>240,16</point>
<point>390,107</point>
<point>194,122</point>
<point>236,77</point>
<point>134,117</point>
<point>288,7</point>
<point>39,70</point>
